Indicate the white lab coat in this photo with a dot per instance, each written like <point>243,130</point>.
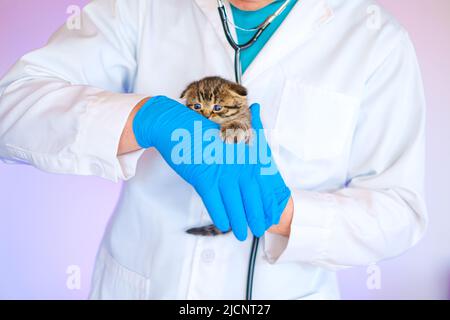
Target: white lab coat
<point>343,96</point>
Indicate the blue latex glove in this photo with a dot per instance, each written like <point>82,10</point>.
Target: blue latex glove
<point>274,187</point>
<point>235,195</point>
<point>230,192</point>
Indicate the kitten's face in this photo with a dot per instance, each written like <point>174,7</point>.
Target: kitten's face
<point>216,99</point>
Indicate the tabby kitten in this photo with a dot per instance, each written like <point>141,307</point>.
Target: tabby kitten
<point>223,102</point>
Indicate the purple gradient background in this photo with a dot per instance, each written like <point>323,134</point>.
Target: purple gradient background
<point>48,222</point>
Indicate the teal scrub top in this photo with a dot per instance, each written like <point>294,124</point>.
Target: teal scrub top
<point>252,19</point>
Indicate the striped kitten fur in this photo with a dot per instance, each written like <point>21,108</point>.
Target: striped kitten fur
<point>223,102</point>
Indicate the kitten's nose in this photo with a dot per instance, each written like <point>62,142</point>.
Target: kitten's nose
<point>207,113</point>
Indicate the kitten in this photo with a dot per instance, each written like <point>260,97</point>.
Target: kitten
<point>223,102</point>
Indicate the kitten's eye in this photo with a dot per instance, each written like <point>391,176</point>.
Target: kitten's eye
<point>197,106</point>
<point>217,108</point>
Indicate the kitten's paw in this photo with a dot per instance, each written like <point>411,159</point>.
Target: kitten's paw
<point>235,134</point>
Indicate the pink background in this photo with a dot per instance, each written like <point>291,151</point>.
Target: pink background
<point>48,222</point>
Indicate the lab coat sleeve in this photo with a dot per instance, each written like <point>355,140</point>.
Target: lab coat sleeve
<point>381,212</point>
<point>63,107</point>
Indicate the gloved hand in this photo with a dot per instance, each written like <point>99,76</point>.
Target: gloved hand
<point>274,187</point>
<point>230,192</point>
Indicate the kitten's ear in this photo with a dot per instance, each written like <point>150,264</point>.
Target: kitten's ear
<point>187,90</point>
<point>183,94</point>
<point>238,89</point>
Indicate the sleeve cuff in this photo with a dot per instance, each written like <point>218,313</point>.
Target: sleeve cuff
<point>310,230</point>
<point>99,136</point>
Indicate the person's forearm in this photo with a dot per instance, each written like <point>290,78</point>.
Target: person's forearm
<point>128,141</point>
<point>284,227</point>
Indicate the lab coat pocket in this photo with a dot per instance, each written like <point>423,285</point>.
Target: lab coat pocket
<point>112,281</point>
<point>315,123</point>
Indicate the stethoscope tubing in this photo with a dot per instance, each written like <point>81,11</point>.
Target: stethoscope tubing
<point>238,76</point>
<point>237,47</point>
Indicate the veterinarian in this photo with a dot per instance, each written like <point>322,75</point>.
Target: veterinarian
<point>339,86</point>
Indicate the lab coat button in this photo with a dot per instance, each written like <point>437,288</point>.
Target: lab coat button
<point>208,255</point>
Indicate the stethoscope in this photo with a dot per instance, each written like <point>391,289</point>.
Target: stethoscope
<point>238,76</point>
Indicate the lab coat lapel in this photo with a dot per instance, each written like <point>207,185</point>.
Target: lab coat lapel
<point>305,18</point>
<point>209,8</point>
